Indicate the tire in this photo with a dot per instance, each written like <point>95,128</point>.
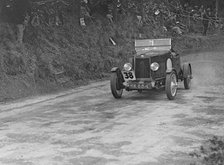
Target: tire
<point>114,86</point>
<point>171,85</point>
<point>187,76</point>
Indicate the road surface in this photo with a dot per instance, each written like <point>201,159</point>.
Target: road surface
<point>87,126</point>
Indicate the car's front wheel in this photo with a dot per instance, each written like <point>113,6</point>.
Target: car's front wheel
<point>171,85</point>
<point>115,87</point>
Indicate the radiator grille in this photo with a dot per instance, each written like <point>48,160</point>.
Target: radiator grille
<point>142,68</point>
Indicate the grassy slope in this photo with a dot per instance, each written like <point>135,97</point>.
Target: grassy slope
<point>84,53</point>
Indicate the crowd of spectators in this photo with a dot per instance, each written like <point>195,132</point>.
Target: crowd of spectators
<point>17,14</point>
<point>206,15</point>
<point>171,13</point>
<point>175,12</point>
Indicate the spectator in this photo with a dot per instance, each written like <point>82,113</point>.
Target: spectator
<point>209,12</point>
<point>170,22</point>
<point>21,9</point>
<point>201,11</point>
<point>110,10</point>
<point>186,8</point>
<point>84,12</point>
<point>171,25</point>
<point>205,21</point>
<point>6,10</point>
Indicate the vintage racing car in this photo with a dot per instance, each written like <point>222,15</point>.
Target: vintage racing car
<point>154,66</point>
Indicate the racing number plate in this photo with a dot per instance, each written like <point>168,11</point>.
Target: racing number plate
<point>128,75</point>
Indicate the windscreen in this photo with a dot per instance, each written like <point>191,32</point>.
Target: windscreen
<point>146,45</point>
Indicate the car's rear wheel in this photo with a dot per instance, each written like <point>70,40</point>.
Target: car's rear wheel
<point>187,76</point>
<point>171,85</point>
<point>115,87</point>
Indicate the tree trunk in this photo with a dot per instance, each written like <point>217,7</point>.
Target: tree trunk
<point>216,9</point>
<point>115,10</point>
<point>143,10</point>
<point>76,7</point>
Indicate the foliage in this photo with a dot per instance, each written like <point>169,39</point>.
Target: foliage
<point>211,152</point>
<point>83,53</point>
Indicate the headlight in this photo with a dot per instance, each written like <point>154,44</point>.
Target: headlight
<point>127,67</point>
<point>154,66</point>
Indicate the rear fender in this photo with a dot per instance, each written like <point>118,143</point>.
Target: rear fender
<point>185,65</point>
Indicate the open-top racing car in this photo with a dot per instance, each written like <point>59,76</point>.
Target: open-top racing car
<point>154,66</point>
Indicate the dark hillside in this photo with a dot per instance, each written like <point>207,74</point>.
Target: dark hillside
<point>64,54</point>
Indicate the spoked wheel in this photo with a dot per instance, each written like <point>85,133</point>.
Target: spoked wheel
<point>187,76</point>
<point>115,87</point>
<point>171,85</point>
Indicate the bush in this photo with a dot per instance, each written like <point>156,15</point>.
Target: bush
<point>211,152</point>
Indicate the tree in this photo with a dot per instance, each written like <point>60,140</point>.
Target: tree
<point>76,6</point>
<point>216,8</point>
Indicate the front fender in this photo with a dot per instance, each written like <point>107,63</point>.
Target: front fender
<point>172,70</point>
<point>169,66</point>
<point>115,69</point>
<point>119,74</point>
<point>169,70</point>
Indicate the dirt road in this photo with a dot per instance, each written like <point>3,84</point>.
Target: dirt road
<point>87,126</point>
